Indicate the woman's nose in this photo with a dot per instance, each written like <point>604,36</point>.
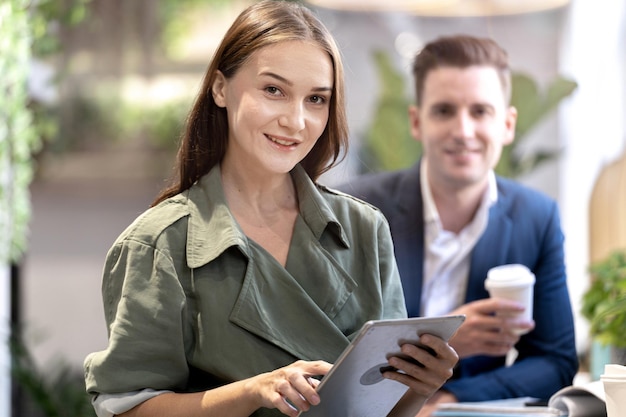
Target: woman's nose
<point>293,117</point>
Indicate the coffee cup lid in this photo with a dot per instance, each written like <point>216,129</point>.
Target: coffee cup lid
<point>510,275</point>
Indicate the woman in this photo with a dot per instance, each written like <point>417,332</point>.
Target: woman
<point>246,278</point>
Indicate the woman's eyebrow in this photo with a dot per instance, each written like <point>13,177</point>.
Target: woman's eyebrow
<point>289,83</point>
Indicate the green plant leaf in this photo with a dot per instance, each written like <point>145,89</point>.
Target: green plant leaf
<point>526,99</point>
<point>388,143</point>
<point>604,302</point>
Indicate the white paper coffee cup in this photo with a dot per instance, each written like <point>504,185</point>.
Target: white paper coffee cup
<point>615,395</point>
<point>513,282</point>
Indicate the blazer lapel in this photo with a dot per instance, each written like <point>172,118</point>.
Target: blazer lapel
<point>407,228</point>
<point>491,249</point>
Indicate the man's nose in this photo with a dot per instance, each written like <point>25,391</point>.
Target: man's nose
<point>464,125</point>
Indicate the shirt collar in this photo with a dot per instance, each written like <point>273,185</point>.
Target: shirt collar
<point>430,210</point>
<point>213,229</point>
<point>431,215</point>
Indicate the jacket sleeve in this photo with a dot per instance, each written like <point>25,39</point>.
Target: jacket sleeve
<point>144,304</point>
<point>547,359</point>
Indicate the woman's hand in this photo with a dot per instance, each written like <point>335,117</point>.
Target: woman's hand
<point>490,327</point>
<point>290,389</point>
<point>293,383</point>
<point>426,371</point>
<point>440,397</point>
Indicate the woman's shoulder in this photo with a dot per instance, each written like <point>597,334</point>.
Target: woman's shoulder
<point>349,205</point>
<point>168,217</point>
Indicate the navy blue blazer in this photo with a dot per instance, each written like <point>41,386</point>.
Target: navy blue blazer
<point>524,227</point>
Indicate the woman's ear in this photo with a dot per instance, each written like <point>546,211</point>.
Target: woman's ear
<point>218,89</point>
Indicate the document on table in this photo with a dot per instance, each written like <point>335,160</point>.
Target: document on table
<point>515,407</point>
<point>583,400</point>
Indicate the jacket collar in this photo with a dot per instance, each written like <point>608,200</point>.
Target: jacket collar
<point>264,297</point>
<point>213,229</point>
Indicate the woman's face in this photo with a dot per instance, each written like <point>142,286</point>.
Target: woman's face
<point>277,104</point>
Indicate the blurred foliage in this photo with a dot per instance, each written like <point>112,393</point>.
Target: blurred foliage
<point>18,135</point>
<point>104,118</point>
<point>604,302</point>
<point>59,392</point>
<point>389,144</point>
<point>28,30</point>
<point>46,19</point>
<point>532,106</point>
<point>176,17</point>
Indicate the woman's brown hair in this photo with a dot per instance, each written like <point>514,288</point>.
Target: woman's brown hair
<point>205,138</point>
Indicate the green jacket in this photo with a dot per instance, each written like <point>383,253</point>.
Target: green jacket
<point>191,303</point>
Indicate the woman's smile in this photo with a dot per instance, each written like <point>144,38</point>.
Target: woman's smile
<point>284,142</point>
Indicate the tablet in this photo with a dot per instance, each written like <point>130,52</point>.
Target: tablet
<point>354,386</point>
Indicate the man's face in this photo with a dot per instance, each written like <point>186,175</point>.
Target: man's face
<point>463,123</point>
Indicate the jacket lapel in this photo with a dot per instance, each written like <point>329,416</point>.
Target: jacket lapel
<point>307,332</point>
<point>407,229</point>
<point>269,290</point>
<point>492,248</point>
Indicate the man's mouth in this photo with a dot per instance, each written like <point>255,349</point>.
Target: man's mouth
<point>461,151</point>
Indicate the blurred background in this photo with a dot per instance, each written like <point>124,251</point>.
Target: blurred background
<point>103,87</point>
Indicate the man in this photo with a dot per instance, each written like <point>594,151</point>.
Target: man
<point>452,219</point>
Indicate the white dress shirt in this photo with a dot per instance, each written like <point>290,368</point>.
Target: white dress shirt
<point>447,255</point>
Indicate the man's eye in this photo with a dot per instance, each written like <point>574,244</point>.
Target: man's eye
<point>480,111</point>
<point>442,111</point>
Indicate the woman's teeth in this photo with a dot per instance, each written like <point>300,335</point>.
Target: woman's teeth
<point>281,142</point>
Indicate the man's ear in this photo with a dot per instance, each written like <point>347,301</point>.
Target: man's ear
<point>218,89</point>
<point>510,123</point>
<point>415,123</point>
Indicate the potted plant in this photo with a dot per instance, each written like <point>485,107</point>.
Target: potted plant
<point>604,304</point>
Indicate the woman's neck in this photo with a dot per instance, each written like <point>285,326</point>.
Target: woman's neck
<point>265,207</point>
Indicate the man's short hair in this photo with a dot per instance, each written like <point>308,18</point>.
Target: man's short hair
<point>461,51</point>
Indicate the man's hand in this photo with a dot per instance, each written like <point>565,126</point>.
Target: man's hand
<point>489,328</point>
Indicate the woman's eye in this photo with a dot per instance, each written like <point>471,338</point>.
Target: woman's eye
<point>274,91</point>
<point>318,99</point>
